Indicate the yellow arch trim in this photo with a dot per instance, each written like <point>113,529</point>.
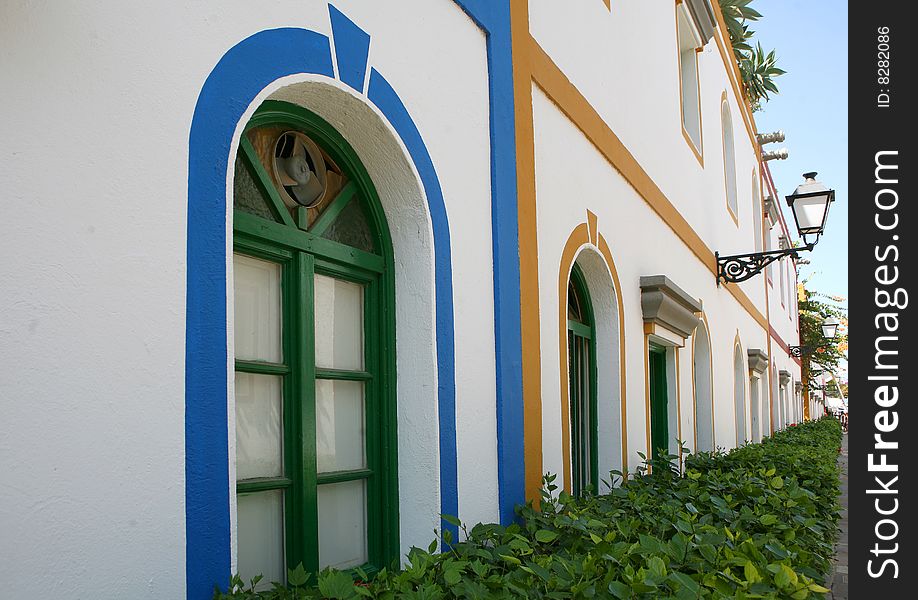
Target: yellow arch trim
<point>579,237</point>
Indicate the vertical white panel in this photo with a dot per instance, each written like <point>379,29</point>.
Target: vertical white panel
<point>340,426</point>
<point>260,531</point>
<point>259,437</point>
<point>342,524</point>
<point>339,323</point>
<point>257,309</point>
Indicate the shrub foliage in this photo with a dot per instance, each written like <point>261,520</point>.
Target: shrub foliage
<point>757,522</point>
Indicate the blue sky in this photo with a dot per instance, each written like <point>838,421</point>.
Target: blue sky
<point>811,40</point>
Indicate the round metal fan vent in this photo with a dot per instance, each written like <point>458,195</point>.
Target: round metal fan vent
<point>300,169</point>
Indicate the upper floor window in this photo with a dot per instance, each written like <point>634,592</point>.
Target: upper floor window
<point>689,44</point>
<point>757,212</point>
<point>729,157</point>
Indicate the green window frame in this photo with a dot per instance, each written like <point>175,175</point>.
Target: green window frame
<point>581,347</point>
<point>286,237</point>
<point>659,403</point>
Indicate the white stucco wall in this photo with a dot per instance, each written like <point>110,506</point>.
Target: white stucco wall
<point>625,62</point>
<point>92,285</point>
<point>571,178</point>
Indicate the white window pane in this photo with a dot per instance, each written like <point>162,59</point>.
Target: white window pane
<point>259,438</point>
<point>340,425</point>
<point>342,524</point>
<point>339,323</point>
<point>260,536</point>
<point>257,309</point>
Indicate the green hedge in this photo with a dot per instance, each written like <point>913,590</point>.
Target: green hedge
<point>758,522</point>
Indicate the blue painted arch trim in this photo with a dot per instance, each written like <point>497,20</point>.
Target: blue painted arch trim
<point>239,76</point>
<point>243,72</point>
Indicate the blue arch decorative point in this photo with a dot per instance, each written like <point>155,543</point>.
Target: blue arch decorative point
<point>352,49</point>
<point>242,73</point>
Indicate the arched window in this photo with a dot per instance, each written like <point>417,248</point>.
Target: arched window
<point>581,352</point>
<point>729,158</point>
<point>739,395</point>
<point>703,386</point>
<point>757,212</point>
<point>313,338</point>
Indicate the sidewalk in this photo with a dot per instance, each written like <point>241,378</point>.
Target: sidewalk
<point>838,582</point>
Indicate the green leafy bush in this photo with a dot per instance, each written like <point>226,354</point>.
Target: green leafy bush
<point>757,522</point>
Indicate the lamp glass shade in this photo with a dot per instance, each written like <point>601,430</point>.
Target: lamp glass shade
<point>810,204</point>
<point>830,327</point>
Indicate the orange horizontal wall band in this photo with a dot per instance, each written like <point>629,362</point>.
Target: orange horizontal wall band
<point>577,108</point>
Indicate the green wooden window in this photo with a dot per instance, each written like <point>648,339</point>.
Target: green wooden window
<point>659,403</point>
<point>314,352</point>
<point>581,351</point>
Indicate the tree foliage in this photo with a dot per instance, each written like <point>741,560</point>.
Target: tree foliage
<point>815,308</point>
<point>757,67</point>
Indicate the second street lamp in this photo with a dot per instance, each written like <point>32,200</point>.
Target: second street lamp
<point>810,204</point>
<point>829,330</point>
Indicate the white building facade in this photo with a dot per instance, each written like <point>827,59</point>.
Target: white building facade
<point>285,283</point>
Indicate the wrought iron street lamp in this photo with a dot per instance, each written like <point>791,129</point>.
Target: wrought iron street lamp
<point>829,331</point>
<point>829,328</point>
<point>810,204</point>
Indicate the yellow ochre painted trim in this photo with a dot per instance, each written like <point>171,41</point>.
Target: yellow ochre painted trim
<point>592,226</point>
<point>529,250</point>
<point>572,103</point>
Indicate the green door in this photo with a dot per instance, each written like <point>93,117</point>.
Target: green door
<point>659,409</point>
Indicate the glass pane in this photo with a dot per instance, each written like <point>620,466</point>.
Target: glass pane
<point>342,524</point>
<point>260,536</point>
<point>259,437</point>
<point>246,194</point>
<point>257,309</point>
<point>340,426</point>
<point>339,324</point>
<point>352,227</point>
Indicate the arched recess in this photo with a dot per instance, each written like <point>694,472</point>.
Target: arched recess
<point>758,212</point>
<point>703,387</point>
<point>776,397</point>
<point>729,153</point>
<point>295,65</point>
<point>589,250</point>
<point>739,393</point>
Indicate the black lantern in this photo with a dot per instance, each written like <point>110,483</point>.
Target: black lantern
<point>810,204</point>
<point>829,328</point>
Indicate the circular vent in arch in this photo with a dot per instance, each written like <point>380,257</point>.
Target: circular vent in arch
<point>300,169</point>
